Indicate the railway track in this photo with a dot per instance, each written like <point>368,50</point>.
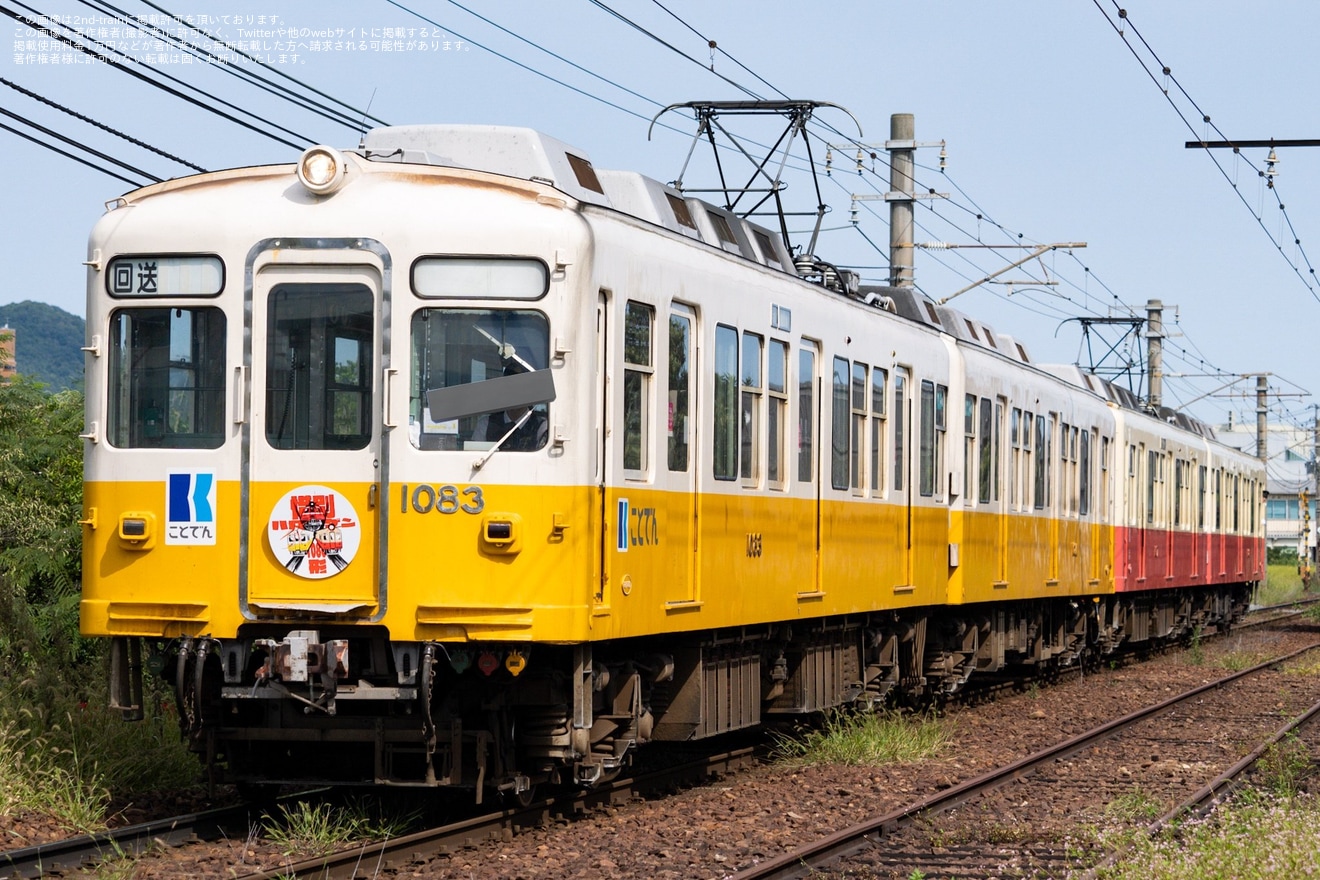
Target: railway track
<point>369,860</point>
<point>64,856</point>
<point>1000,823</point>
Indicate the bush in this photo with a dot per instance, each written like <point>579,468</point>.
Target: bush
<point>1281,555</point>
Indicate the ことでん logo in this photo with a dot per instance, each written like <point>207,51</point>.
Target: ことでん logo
<point>314,532</point>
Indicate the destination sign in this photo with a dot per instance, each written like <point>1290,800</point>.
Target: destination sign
<point>155,275</point>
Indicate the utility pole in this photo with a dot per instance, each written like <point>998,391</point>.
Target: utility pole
<point>1262,412</point>
<point>1155,350</point>
<point>1311,545</point>
<point>902,149</point>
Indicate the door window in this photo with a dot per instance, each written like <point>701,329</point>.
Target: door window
<point>319,366</point>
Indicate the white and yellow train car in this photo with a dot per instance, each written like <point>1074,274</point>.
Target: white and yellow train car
<point>451,460</point>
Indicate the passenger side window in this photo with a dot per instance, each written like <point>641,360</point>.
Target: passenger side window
<point>680,355</point>
<point>806,414</point>
<point>751,408</point>
<point>777,415</point>
<point>724,433</point>
<point>638,371</point>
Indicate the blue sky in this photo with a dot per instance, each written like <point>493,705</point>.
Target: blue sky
<point>1055,132</point>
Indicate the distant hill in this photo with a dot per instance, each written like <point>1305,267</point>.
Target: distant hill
<point>48,343</point>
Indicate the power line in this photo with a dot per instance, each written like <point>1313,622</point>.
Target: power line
<point>555,55</point>
<point>54,149</point>
<point>321,108</point>
<point>73,143</point>
<point>38,26</point>
<point>1205,118</point>
<point>671,47</point>
<point>119,134</point>
<point>517,63</point>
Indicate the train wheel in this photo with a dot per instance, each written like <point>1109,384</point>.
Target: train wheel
<point>522,799</point>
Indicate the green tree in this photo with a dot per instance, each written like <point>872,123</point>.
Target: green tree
<point>40,538</point>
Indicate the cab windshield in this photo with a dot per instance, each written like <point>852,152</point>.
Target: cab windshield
<point>167,378</point>
<point>453,350</point>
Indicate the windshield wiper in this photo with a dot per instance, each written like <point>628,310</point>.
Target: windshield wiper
<point>481,462</point>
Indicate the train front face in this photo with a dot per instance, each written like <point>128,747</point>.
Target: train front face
<point>335,485</point>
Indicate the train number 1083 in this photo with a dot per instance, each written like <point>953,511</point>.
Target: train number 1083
<point>442,499</point>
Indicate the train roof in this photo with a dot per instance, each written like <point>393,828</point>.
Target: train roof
<point>528,154</point>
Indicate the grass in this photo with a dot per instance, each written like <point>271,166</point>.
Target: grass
<point>71,761</point>
<point>1133,806</point>
<point>36,777</point>
<point>1252,839</point>
<point>1284,768</point>
<point>322,828</point>
<point>1282,584</point>
<point>865,739</point>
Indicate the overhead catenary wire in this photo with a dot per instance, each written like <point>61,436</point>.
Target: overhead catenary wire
<point>1045,308</point>
<point>520,64</point>
<point>49,30</point>
<point>355,113</point>
<point>1051,305</point>
<point>87,119</point>
<point>73,143</point>
<point>68,155</point>
<point>222,64</point>
<point>1166,71</point>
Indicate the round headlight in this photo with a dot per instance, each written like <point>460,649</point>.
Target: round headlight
<point>322,170</point>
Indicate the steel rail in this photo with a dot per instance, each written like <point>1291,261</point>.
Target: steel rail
<point>1203,801</point>
<point>71,853</point>
<point>373,857</point>
<point>800,862</point>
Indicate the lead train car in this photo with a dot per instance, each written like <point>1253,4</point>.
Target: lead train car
<point>452,461</point>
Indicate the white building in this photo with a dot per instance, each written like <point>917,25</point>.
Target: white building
<point>1289,475</point>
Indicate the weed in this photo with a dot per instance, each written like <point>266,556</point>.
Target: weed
<point>319,829</point>
<point>1284,766</point>
<point>1133,806</point>
<point>1195,653</point>
<point>1238,660</point>
<point>38,776</point>
<point>871,738</point>
<point>1244,840</point>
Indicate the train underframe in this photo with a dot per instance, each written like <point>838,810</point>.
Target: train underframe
<point>345,705</point>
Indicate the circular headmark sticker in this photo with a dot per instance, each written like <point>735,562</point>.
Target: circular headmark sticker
<point>314,532</point>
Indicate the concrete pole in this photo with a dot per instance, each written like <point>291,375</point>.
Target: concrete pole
<point>1262,411</point>
<point>1315,464</point>
<point>902,149</point>
<point>1155,350</point>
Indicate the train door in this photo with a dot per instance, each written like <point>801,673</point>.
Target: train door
<point>902,459</point>
<point>314,466</point>
<point>1145,493</point>
<point>679,408</point>
<point>1056,504</point>
<point>602,446</point>
<point>809,408</point>
<point>1000,455</point>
